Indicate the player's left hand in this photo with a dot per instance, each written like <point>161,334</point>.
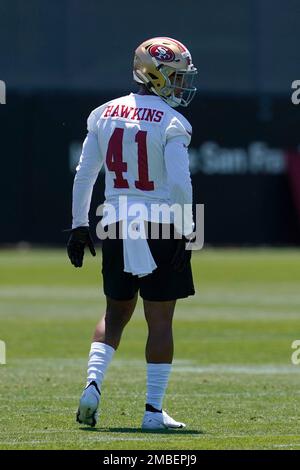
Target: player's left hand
<point>80,238</point>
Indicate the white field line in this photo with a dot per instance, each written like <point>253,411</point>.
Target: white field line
<point>295,444</point>
<point>262,369</point>
<point>206,394</point>
<point>104,434</point>
<point>179,366</point>
<point>99,438</point>
<point>45,292</point>
<point>188,367</point>
<point>275,295</point>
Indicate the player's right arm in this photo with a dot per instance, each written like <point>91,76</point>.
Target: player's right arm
<point>88,168</point>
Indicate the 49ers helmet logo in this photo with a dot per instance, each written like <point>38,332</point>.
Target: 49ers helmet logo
<point>163,53</point>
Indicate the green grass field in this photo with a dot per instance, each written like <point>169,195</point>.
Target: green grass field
<point>233,382</point>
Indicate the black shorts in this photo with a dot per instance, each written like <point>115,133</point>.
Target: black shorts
<point>163,284</point>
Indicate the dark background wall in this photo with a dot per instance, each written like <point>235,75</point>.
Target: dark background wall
<point>238,45</point>
<point>62,58</point>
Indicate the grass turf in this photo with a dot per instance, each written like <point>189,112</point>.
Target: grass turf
<point>232,383</point>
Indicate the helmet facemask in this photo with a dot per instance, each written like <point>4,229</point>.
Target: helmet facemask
<point>178,89</point>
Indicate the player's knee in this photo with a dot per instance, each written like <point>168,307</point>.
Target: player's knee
<point>160,326</point>
<point>120,314</point>
<point>120,309</point>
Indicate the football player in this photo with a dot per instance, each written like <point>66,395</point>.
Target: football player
<point>142,141</point>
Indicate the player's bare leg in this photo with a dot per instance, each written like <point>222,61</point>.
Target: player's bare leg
<point>106,340</point>
<point>159,317</point>
<point>110,327</point>
<point>159,356</point>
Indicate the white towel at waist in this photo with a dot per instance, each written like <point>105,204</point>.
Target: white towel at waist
<point>138,259</point>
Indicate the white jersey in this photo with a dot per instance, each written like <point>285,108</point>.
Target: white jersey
<point>142,143</point>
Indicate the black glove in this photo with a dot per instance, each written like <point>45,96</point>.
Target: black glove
<point>79,238</point>
<point>181,256</point>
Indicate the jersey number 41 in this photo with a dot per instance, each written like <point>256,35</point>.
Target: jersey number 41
<point>115,163</point>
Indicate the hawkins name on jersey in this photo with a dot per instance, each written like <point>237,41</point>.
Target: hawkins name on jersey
<point>134,114</point>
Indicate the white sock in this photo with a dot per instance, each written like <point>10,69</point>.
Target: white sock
<point>157,381</point>
<point>99,359</point>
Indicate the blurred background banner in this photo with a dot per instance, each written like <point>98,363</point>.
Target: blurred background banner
<point>60,59</point>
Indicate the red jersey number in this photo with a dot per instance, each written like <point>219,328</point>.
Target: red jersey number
<point>115,163</point>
